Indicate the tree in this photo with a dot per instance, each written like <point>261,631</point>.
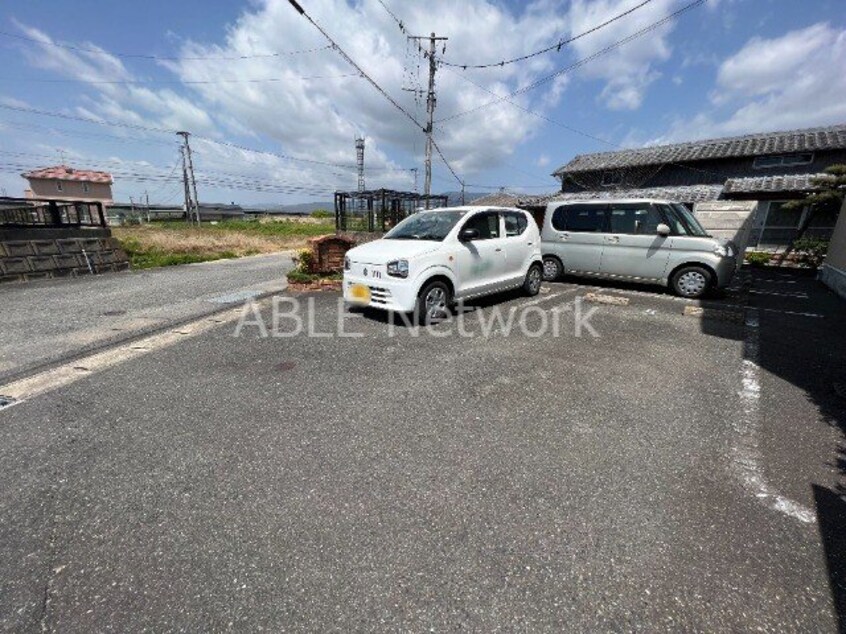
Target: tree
<point>830,187</point>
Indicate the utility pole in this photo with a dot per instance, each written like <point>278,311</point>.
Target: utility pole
<point>431,100</point>
<point>147,199</point>
<point>187,190</point>
<point>187,153</point>
<point>414,173</point>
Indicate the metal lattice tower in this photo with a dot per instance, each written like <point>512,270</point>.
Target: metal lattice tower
<point>359,157</point>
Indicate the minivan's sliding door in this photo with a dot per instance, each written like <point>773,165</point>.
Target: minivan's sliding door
<point>579,236</point>
<point>633,248</point>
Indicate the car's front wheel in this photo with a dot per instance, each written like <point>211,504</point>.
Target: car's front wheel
<point>534,277</point>
<point>433,303</point>
<point>552,269</point>
<point>691,281</point>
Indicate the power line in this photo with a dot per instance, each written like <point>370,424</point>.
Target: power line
<point>533,112</point>
<point>134,126</point>
<point>399,22</point>
<point>588,135</point>
<point>20,125</point>
<point>174,81</point>
<point>443,158</point>
<point>556,47</point>
<point>234,185</point>
<point>97,51</point>
<point>578,64</point>
<point>430,101</point>
<point>70,117</point>
<point>144,173</point>
<point>352,63</point>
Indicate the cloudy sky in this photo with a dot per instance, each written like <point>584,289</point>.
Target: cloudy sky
<point>274,111</point>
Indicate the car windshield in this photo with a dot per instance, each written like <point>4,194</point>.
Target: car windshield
<point>693,226</point>
<point>426,225</point>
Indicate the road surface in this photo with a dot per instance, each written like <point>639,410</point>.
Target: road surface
<point>47,320</point>
<point>675,473</point>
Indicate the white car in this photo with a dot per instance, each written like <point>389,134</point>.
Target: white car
<point>435,257</point>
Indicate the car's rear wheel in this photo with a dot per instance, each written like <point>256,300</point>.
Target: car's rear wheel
<point>433,303</point>
<point>534,277</point>
<point>691,281</point>
<point>552,269</point>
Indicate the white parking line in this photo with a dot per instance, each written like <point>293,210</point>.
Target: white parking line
<point>747,457</point>
<point>546,298</point>
<point>68,373</point>
<point>792,312</point>
<point>778,294</point>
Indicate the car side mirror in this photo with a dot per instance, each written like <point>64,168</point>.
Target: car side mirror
<point>468,235</point>
<point>663,230</point>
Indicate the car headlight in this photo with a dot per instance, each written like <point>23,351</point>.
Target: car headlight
<point>398,268</point>
<point>347,264</point>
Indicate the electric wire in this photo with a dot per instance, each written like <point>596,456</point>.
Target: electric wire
<point>97,51</point>
<point>556,47</point>
<point>576,65</point>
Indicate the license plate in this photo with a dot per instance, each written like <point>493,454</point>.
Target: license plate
<point>360,293</point>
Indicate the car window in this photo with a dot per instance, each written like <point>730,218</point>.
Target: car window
<point>515,223</point>
<point>486,223</point>
<point>634,218</point>
<point>426,225</point>
<point>587,218</point>
<point>676,225</point>
<point>690,221</point>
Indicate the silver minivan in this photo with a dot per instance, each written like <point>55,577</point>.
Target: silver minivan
<point>636,240</point>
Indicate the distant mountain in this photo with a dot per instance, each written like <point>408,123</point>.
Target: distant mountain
<point>299,209</point>
<point>455,197</point>
<point>306,208</point>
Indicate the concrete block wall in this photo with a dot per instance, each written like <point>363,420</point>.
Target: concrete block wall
<point>30,254</point>
<point>730,219</point>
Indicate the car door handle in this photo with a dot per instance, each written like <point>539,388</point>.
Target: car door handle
<point>498,249</point>
<point>564,236</point>
<point>612,239</point>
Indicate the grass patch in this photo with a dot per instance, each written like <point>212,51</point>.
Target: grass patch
<point>306,227</point>
<point>173,243</point>
<point>301,277</point>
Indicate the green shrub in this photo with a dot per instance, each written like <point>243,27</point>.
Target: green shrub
<point>304,260</point>
<point>757,258</point>
<point>322,213</point>
<point>810,251</point>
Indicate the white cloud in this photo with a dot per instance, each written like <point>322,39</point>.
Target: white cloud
<point>629,70</point>
<point>13,102</point>
<point>792,81</point>
<point>320,117</point>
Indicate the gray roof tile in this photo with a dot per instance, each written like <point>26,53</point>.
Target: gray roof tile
<point>681,193</point>
<point>778,183</point>
<point>810,139</point>
<point>498,199</point>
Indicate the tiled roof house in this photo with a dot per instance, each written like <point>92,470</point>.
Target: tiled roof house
<point>771,168</point>
<point>62,182</point>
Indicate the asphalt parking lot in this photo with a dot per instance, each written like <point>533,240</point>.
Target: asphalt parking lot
<point>675,471</point>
